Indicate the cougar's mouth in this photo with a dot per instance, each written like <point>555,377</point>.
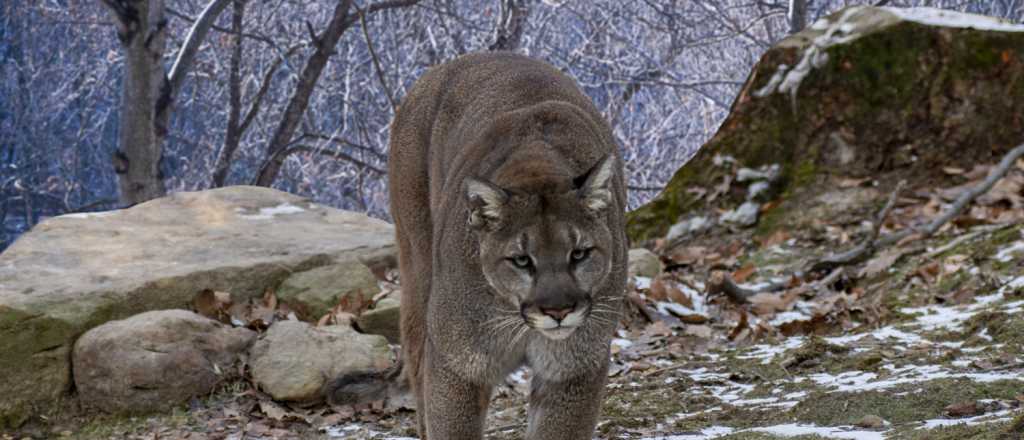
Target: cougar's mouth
<point>557,325</point>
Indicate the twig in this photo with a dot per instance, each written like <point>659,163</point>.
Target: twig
<point>867,247</point>
<point>968,196</point>
<point>376,61</point>
<point>721,282</point>
<point>966,237</point>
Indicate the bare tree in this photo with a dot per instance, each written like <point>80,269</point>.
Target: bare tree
<point>148,93</point>
<point>279,147</point>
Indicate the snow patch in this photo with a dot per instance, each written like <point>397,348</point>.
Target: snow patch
<point>1007,254</point>
<point>643,283</point>
<point>844,432</point>
<point>997,416</point>
<point>946,18</point>
<point>788,317</point>
<point>865,381</point>
<point>766,352</point>
<point>704,434</point>
<point>269,213</point>
<point>84,215</point>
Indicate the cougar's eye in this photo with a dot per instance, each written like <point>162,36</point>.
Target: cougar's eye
<point>521,261</point>
<point>579,254</point>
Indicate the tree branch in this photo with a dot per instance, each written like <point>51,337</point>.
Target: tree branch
<point>376,62</point>
<point>867,247</point>
<point>260,38</point>
<point>334,154</point>
<point>299,100</point>
<point>190,47</point>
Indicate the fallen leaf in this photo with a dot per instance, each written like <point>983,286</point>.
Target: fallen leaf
<point>688,255</point>
<point>741,330</point>
<point>742,274</point>
<point>881,262</point>
<point>657,291</point>
<point>700,331</point>
<point>273,410</point>
<point>964,409</point>
<point>213,304</point>
<point>676,295</point>
<point>778,237</point>
<point>658,328</point>
<point>928,272</point>
<point>766,303</point>
<point>270,299</point>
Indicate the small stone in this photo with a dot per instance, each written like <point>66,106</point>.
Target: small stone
<point>965,409</point>
<point>766,173</point>
<point>644,263</point>
<point>757,191</point>
<point>314,292</point>
<point>383,319</point>
<point>293,360</point>
<point>693,225</point>
<point>871,421</point>
<point>155,360</point>
<point>745,215</point>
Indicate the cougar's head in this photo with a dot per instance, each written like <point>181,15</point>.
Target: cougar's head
<point>545,252</point>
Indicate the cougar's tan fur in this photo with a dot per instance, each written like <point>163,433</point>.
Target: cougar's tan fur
<point>507,194</point>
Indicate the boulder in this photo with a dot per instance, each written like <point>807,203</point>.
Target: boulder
<point>644,263</point>
<point>879,92</point>
<point>383,319</point>
<point>75,272</point>
<point>314,292</point>
<point>155,360</point>
<point>293,360</point>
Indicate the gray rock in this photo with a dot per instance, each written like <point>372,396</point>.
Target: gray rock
<point>155,360</point>
<point>74,272</point>
<point>644,263</point>
<point>872,421</point>
<point>293,360</point>
<point>383,319</point>
<point>745,215</point>
<point>758,191</point>
<point>314,292</point>
<point>694,225</point>
<point>768,173</point>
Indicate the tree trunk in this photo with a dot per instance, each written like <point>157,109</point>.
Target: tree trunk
<point>147,95</point>
<point>233,135</point>
<point>797,15</point>
<point>142,31</point>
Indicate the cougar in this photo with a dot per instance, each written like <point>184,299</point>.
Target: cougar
<point>507,195</point>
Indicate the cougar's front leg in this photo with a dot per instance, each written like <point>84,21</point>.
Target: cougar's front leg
<point>565,410</point>
<point>455,408</point>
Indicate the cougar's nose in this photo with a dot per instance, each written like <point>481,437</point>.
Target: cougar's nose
<point>558,313</point>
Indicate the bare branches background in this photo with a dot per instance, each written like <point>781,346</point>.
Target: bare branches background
<point>664,72</point>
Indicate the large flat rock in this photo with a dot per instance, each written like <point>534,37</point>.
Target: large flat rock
<point>74,272</point>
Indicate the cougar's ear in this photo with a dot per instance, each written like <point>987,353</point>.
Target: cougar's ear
<point>485,203</point>
<point>593,186</point>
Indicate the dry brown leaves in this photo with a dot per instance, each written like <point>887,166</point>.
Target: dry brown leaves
<point>256,314</point>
